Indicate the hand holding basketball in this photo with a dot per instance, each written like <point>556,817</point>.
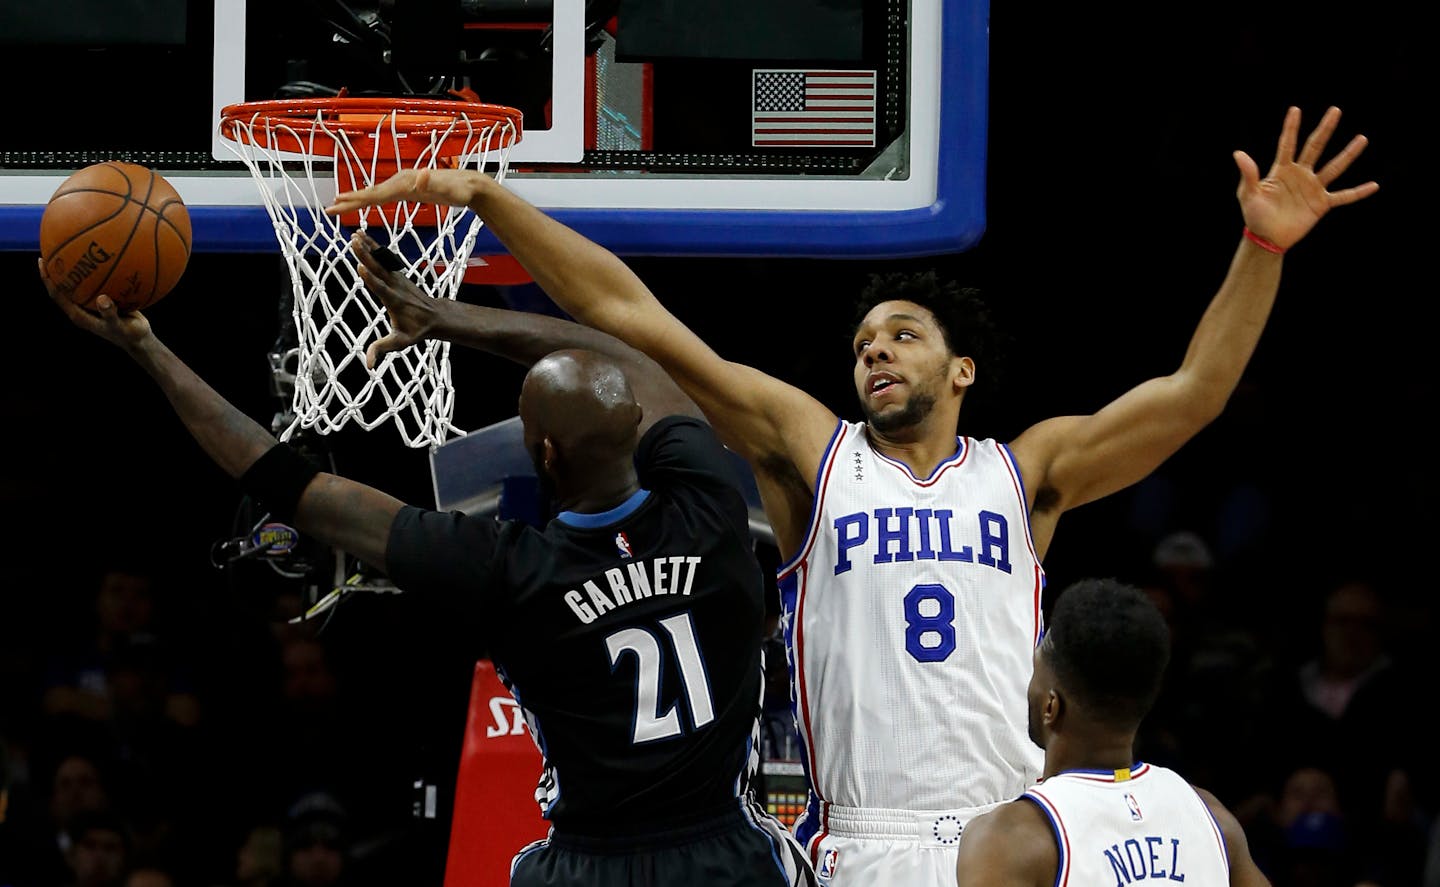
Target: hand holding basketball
<point>104,319</point>
<point>118,229</point>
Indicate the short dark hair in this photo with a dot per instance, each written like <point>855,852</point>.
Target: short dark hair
<point>964,317</point>
<point>1108,645</point>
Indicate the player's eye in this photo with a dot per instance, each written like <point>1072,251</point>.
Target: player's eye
<point>861,345</point>
<point>905,334</point>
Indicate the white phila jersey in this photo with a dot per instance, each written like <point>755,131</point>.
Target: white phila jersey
<point>911,614</point>
<point>1115,827</point>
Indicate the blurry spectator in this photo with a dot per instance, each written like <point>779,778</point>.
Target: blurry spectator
<point>13,852</point>
<point>149,876</point>
<point>1184,558</point>
<point>1345,707</point>
<point>160,749</point>
<point>1209,698</point>
<point>317,841</point>
<point>76,787</point>
<point>317,751</point>
<point>77,683</point>
<point>1352,653</point>
<point>114,678</point>
<point>260,859</point>
<point>1297,825</point>
<point>1432,858</point>
<point>98,850</point>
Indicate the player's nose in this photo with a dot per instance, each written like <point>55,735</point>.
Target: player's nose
<point>876,352</point>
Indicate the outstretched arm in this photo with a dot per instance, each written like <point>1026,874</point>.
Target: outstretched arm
<point>521,336</point>
<point>340,513</point>
<point>1077,459</point>
<point>779,429</point>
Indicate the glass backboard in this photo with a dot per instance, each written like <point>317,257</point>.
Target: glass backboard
<point>745,127</point>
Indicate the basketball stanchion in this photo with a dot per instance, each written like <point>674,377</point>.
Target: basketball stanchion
<point>300,152</point>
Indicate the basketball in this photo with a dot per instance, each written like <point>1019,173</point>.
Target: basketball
<point>115,228</point>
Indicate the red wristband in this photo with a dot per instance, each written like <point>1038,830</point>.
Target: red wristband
<point>1263,243</point>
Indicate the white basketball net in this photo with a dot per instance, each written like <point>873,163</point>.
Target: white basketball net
<point>336,318</point>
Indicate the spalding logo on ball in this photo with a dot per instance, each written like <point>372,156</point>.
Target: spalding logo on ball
<point>117,229</point>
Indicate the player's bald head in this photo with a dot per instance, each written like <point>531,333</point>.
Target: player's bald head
<point>579,399</point>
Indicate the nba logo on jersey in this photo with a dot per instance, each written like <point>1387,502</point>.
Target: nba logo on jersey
<point>622,544</point>
<point>1134,806</point>
<point>829,862</point>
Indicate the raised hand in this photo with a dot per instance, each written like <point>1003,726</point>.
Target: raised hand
<point>1286,204</point>
<point>106,320</point>
<point>411,311</point>
<point>449,187</point>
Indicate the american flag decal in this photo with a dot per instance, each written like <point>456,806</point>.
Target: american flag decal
<point>796,108</point>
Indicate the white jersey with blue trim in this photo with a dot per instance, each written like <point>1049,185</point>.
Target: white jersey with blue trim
<point>1118,827</point>
<point>912,612</point>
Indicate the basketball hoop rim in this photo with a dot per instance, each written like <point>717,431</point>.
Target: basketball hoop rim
<point>356,117</point>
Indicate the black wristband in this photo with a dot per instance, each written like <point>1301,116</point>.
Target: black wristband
<point>278,479</point>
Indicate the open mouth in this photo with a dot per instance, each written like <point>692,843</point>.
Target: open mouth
<point>882,382</point>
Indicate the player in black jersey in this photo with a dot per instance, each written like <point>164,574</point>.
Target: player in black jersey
<point>629,629</point>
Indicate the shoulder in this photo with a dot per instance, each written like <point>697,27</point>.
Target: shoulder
<point>1243,868</point>
<point>1037,445</point>
<point>1012,844</point>
<point>1230,826</point>
<point>685,449</point>
<point>675,431</point>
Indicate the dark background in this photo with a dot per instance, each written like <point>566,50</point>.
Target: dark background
<point>1112,219</point>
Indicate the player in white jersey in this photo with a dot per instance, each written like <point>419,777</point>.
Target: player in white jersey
<point>908,588</point>
<point>906,737</point>
<point>1099,817</point>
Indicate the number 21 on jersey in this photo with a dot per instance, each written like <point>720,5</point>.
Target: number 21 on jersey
<point>650,723</point>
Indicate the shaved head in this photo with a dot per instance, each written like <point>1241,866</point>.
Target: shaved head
<point>580,418</point>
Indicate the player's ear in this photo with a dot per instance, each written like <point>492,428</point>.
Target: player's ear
<point>1053,711</point>
<point>962,373</point>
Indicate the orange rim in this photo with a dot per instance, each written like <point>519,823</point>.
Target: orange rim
<point>294,125</point>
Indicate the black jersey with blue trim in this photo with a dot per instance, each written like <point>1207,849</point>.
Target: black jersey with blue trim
<point>631,638</point>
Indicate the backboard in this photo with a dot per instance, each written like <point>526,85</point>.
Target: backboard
<point>487,471</point>
<point>852,128</point>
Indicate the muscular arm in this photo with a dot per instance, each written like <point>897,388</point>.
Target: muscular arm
<point>780,430</point>
<point>1072,460</point>
<point>339,512</point>
<point>520,336</point>
<point>754,414</point>
<point>1011,846</point>
<point>1243,870</point>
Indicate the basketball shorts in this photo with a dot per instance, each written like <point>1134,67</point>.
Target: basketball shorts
<point>740,848</point>
<point>857,847</point>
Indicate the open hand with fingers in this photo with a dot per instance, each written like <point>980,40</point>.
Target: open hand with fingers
<point>447,187</point>
<point>1286,204</point>
<point>412,313</point>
